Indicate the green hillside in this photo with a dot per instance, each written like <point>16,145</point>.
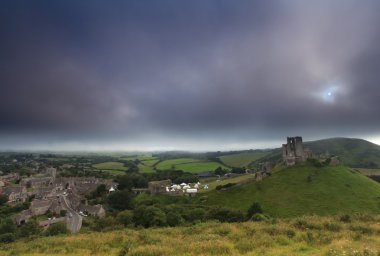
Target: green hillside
<point>356,153</point>
<point>353,152</point>
<point>305,190</point>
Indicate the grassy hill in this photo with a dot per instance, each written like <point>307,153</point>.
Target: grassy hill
<point>301,236</point>
<point>356,153</point>
<point>353,152</point>
<point>304,190</point>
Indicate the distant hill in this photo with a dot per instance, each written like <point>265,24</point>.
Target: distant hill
<point>305,190</point>
<point>352,152</point>
<point>355,153</point>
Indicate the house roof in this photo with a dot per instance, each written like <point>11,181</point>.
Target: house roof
<point>10,190</point>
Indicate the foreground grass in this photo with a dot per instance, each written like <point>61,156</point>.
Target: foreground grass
<point>300,236</point>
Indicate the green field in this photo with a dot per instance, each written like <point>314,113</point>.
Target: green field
<point>307,236</point>
<point>242,159</point>
<point>170,164</point>
<point>111,166</point>
<point>147,166</point>
<point>304,190</point>
<point>189,165</point>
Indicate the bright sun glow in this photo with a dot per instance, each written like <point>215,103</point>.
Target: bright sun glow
<point>331,91</point>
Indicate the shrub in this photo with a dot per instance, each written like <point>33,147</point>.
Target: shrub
<point>228,185</point>
<point>148,216</point>
<point>259,217</point>
<point>174,219</point>
<point>7,238</point>
<point>30,228</point>
<point>331,226</point>
<point>345,218</point>
<point>197,214</point>
<point>107,223</point>
<point>255,208</point>
<point>225,215</point>
<point>362,229</point>
<point>125,218</point>
<point>56,229</point>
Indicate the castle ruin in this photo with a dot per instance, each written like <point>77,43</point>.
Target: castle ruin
<point>293,152</point>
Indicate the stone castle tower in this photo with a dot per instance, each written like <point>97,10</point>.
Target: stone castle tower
<point>293,152</point>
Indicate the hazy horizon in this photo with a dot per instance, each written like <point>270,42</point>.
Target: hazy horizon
<point>186,75</point>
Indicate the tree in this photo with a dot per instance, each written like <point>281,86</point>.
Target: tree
<point>219,171</point>
<point>148,216</point>
<point>125,182</point>
<point>120,200</point>
<point>255,208</point>
<point>3,200</point>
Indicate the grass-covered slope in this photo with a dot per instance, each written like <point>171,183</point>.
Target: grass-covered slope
<point>353,152</point>
<point>304,190</point>
<point>301,236</point>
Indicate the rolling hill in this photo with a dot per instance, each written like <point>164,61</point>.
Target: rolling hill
<point>355,153</point>
<point>305,190</point>
<point>352,152</point>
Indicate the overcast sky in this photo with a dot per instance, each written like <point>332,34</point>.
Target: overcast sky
<point>196,75</point>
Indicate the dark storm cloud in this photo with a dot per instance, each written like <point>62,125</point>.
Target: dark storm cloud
<point>234,71</point>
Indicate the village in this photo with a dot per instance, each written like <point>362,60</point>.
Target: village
<point>63,199</point>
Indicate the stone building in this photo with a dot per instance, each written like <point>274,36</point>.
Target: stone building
<point>293,152</point>
<point>93,210</point>
<point>40,207</point>
<point>15,193</point>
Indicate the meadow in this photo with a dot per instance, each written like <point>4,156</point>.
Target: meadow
<point>357,235</point>
<point>147,166</point>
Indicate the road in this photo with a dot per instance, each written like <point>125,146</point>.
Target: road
<point>75,222</point>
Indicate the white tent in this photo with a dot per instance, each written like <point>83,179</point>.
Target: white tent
<point>191,190</point>
<point>183,184</point>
